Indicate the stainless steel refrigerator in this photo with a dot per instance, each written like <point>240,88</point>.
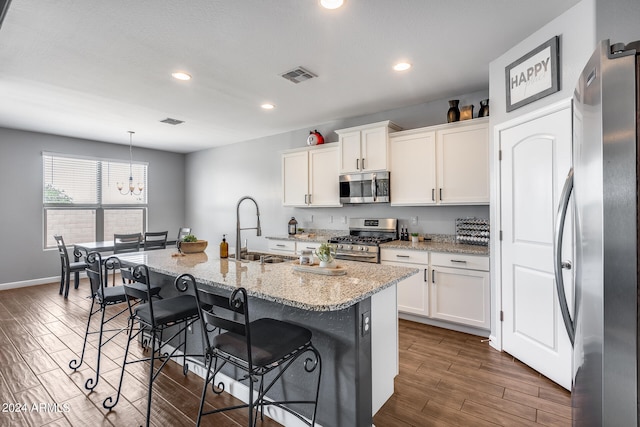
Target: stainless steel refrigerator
<point>602,322</point>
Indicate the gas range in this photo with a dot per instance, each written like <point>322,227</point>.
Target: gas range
<point>364,238</point>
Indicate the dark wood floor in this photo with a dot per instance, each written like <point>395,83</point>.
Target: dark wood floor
<point>446,378</point>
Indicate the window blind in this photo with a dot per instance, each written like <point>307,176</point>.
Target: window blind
<point>70,180</point>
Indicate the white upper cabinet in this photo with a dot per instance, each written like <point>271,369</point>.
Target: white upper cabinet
<point>445,164</point>
<point>413,168</point>
<point>310,177</point>
<point>365,148</point>
<point>463,164</point>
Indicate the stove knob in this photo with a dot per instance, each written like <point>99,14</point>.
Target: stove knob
<point>340,246</point>
<point>348,247</point>
<point>364,248</point>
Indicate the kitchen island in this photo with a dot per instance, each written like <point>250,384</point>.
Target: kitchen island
<point>353,319</point>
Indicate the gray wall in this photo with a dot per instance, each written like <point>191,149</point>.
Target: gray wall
<point>21,214</point>
<point>217,178</point>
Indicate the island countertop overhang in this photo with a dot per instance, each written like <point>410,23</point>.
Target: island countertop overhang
<point>277,282</point>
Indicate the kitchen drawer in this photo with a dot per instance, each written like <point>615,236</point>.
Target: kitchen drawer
<point>282,246</point>
<point>468,262</point>
<point>399,255</point>
<point>312,246</point>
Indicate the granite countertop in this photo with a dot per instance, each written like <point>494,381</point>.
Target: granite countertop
<point>278,282</point>
<point>438,246</point>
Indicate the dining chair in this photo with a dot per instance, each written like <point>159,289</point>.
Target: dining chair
<point>67,266</point>
<point>153,317</point>
<point>256,347</point>
<point>155,240</point>
<point>124,243</point>
<point>183,231</point>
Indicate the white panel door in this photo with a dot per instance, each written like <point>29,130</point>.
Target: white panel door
<point>536,156</point>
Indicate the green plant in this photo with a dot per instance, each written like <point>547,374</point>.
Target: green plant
<point>326,252</point>
<point>415,234</point>
<point>189,238</point>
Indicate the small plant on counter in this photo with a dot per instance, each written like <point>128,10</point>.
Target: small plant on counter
<point>415,234</point>
<point>189,238</point>
<point>326,252</point>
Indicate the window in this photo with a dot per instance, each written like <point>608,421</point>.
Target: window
<point>82,202</point>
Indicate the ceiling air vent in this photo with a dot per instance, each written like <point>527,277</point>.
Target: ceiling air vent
<point>298,75</point>
<point>171,121</point>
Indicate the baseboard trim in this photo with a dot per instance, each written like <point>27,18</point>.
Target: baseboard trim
<point>27,283</point>
<point>36,282</point>
<point>446,325</point>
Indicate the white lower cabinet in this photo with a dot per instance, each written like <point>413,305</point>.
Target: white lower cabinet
<point>291,247</point>
<point>450,287</point>
<point>413,292</point>
<point>285,247</point>
<point>460,289</point>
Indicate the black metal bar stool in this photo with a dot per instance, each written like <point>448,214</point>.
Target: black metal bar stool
<point>153,317</point>
<point>101,298</point>
<point>257,347</point>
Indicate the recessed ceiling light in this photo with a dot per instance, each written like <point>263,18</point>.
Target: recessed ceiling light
<point>268,106</point>
<point>331,4</point>
<point>181,76</point>
<point>402,66</point>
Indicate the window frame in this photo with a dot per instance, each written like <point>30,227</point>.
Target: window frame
<point>99,207</point>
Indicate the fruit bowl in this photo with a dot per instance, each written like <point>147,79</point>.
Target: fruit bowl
<point>193,247</point>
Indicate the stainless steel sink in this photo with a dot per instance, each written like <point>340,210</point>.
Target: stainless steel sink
<point>268,258</point>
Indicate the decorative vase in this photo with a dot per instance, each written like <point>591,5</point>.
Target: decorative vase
<point>453,115</point>
<point>466,112</point>
<point>415,239</point>
<point>484,108</point>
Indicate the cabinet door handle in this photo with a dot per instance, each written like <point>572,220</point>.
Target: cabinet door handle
<point>363,163</point>
<point>280,246</point>
<point>441,194</point>
<point>309,198</point>
<point>358,164</point>
<point>425,274</point>
<point>305,199</point>
<point>433,194</point>
<point>402,256</point>
<point>459,261</point>
<point>433,276</point>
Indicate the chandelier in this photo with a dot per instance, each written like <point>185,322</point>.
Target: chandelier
<point>132,188</point>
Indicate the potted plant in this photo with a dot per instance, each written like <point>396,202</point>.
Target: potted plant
<point>326,253</point>
<point>191,245</point>
<point>415,237</point>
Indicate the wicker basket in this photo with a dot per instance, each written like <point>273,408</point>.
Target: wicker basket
<point>193,247</point>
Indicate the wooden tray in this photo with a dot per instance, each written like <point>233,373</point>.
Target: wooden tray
<point>316,269</point>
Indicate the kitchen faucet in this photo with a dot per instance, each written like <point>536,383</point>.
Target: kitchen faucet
<point>238,229</point>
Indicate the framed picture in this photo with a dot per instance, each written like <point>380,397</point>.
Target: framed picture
<point>533,76</point>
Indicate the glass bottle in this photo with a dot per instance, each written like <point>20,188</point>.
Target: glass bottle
<point>224,247</point>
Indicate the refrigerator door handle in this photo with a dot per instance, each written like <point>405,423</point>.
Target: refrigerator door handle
<point>557,255</point>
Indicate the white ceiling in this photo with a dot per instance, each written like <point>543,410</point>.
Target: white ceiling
<point>95,69</point>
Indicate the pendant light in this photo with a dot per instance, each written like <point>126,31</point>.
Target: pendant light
<point>132,188</point>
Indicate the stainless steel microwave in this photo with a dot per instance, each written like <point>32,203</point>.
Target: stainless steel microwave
<point>370,187</point>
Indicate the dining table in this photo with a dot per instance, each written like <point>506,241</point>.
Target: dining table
<point>80,249</point>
